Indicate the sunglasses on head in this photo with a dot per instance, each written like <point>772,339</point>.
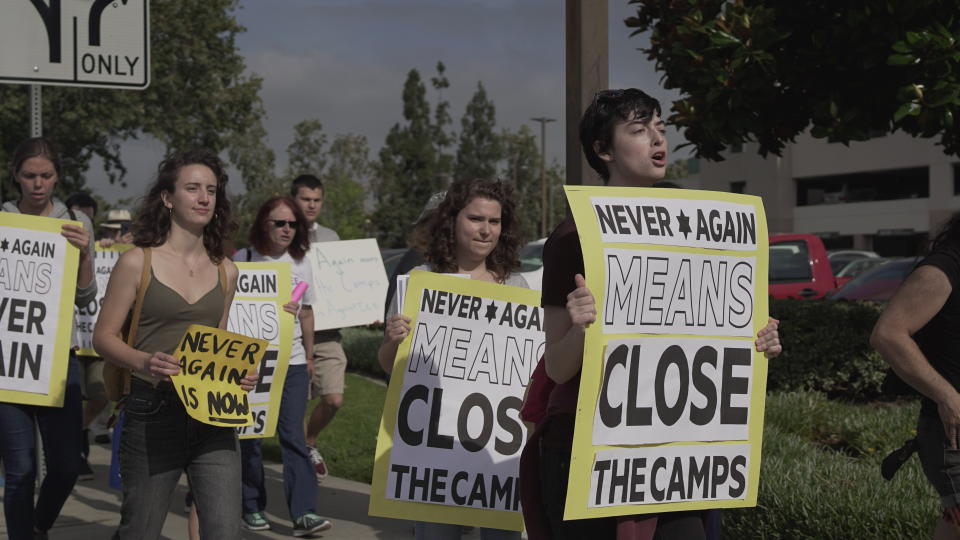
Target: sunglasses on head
<point>279,223</point>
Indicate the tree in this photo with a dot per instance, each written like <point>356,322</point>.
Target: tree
<point>479,148</point>
<point>199,95</point>
<point>344,196</point>
<point>767,70</point>
<point>306,154</point>
<point>256,163</point>
<point>412,164</point>
<point>521,167</point>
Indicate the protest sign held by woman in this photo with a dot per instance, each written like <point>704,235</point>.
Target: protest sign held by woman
<point>474,231</point>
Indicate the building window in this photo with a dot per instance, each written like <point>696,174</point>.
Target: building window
<point>738,187</point>
<point>894,184</point>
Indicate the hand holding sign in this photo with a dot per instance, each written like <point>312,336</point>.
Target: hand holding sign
<point>581,305</point>
<point>78,237</point>
<point>768,339</point>
<point>161,365</point>
<point>216,369</point>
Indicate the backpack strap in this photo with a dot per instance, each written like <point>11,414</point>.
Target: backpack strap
<point>72,215</point>
<point>138,304</point>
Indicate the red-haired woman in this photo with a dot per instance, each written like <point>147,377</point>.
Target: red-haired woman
<point>280,234</point>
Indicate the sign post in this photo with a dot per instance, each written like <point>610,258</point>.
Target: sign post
<point>104,43</point>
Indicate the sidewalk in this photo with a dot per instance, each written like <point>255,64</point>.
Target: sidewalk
<point>93,511</point>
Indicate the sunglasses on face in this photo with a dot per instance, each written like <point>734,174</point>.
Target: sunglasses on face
<point>279,223</point>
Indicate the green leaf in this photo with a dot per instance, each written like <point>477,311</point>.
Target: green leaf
<point>902,59</point>
<point>907,109</point>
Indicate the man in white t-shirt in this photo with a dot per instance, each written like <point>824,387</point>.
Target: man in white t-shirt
<point>329,359</point>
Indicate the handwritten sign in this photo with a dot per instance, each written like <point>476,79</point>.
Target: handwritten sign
<point>212,364</point>
<point>38,282</point>
<point>670,410</point>
<point>451,435</point>
<point>104,259</point>
<point>257,312</point>
<point>351,283</point>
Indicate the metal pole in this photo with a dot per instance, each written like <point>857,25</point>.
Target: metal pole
<point>36,110</point>
<point>543,172</point>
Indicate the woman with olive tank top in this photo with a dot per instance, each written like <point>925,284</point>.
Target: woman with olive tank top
<point>180,256</point>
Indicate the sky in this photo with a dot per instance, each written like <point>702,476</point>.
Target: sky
<point>344,63</point>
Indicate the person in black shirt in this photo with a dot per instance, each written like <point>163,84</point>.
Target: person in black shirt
<point>918,334</point>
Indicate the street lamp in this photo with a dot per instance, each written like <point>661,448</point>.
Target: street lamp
<point>543,172</point>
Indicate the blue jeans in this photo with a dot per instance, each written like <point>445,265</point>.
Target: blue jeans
<point>299,478</point>
<point>61,430</point>
<point>158,443</point>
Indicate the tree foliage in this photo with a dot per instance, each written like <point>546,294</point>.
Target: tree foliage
<point>765,71</point>
<point>199,95</point>
<point>479,149</point>
<point>413,163</point>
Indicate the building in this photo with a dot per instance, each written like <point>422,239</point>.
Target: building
<point>887,194</point>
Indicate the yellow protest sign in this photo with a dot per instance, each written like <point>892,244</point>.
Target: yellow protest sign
<point>104,259</point>
<point>212,364</point>
<point>451,436</point>
<point>670,410</point>
<point>38,283</point>
<point>257,312</point>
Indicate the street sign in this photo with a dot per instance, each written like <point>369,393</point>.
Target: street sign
<point>98,43</point>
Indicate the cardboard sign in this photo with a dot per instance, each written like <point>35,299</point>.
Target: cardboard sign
<point>450,438</point>
<point>104,259</point>
<point>351,283</point>
<point>38,283</point>
<point>670,411</point>
<point>257,312</point>
<point>212,364</point>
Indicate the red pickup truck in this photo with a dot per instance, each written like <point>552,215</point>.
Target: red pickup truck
<point>799,267</point>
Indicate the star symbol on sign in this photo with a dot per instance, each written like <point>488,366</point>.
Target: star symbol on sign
<point>4,244</point>
<point>491,311</point>
<point>684,222</point>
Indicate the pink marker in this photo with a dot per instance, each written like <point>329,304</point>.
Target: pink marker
<point>298,291</point>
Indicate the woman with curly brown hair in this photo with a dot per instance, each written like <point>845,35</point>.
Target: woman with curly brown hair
<point>180,234</point>
<point>475,232</point>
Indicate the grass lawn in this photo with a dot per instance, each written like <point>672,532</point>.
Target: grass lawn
<point>349,442</point>
<point>820,473</point>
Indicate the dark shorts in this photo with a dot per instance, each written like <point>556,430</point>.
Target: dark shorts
<point>940,463</point>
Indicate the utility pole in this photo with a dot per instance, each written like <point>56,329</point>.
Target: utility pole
<point>543,172</point>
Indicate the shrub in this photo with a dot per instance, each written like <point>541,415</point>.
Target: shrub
<point>360,345</point>
<point>826,349</point>
<point>811,489</point>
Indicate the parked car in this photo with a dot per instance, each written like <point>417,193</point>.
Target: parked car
<point>391,258</point>
<point>531,263</point>
<point>799,267</point>
<point>857,267</point>
<point>842,257</point>
<point>878,284</point>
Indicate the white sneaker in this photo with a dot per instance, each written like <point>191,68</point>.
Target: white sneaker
<point>319,466</point>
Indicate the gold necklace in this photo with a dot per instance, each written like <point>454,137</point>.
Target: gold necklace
<point>190,268</point>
